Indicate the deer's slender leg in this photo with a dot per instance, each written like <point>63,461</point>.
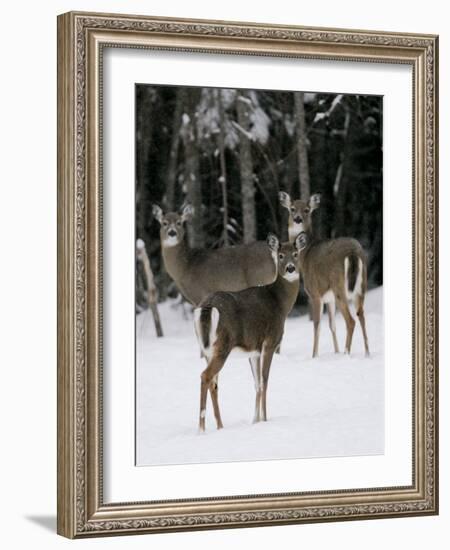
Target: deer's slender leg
<point>257,377</point>
<point>266,361</point>
<point>316,309</point>
<point>208,376</point>
<point>214,390</point>
<point>362,321</point>
<point>349,322</point>
<point>331,308</point>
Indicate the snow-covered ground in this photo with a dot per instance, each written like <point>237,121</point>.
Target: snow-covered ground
<point>329,406</point>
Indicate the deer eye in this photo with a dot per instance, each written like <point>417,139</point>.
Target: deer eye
<point>281,256</point>
<point>292,209</point>
<point>306,210</point>
<point>295,255</point>
<point>165,223</point>
<point>178,223</point>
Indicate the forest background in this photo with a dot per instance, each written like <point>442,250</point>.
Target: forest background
<point>228,152</point>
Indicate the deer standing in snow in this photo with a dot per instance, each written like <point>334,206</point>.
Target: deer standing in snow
<point>249,321</point>
<point>333,270</point>
<point>199,272</point>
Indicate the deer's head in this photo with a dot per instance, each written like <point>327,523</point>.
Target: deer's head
<point>299,212</point>
<point>172,224</point>
<point>287,255</point>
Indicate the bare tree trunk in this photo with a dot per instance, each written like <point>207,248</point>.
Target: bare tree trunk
<point>173,154</point>
<point>191,98</point>
<point>302,149</point>
<point>341,181</point>
<point>143,184</point>
<point>152,294</point>
<point>246,169</point>
<point>223,171</point>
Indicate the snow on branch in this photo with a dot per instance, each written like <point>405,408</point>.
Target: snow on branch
<point>309,97</point>
<point>326,114</point>
<point>238,127</point>
<point>245,100</point>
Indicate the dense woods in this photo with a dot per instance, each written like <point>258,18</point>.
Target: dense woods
<point>229,152</point>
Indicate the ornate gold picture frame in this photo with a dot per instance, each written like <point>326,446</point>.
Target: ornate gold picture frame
<point>82,511</point>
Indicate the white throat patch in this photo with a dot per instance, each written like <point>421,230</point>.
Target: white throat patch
<point>170,241</point>
<point>290,276</point>
<point>295,229</point>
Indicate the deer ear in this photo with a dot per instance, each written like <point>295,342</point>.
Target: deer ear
<point>314,201</point>
<point>187,213</point>
<point>285,199</point>
<point>157,213</point>
<point>301,241</point>
<point>273,242</point>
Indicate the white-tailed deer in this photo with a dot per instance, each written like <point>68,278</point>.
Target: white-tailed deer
<point>200,272</point>
<point>334,272</point>
<point>249,321</point>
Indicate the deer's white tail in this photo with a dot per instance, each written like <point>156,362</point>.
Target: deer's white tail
<point>353,268</point>
<point>206,321</point>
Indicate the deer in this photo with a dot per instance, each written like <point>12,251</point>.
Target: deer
<point>251,322</point>
<point>334,272</point>
<point>200,272</point>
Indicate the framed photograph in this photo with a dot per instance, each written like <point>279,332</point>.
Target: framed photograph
<point>239,200</point>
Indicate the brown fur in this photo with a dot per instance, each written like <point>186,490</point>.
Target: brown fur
<point>200,272</point>
<point>253,321</point>
<point>322,265</point>
<point>251,317</point>
<point>352,273</point>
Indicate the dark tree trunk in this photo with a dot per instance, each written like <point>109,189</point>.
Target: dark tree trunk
<point>172,170</point>
<point>223,171</point>
<point>246,169</point>
<point>191,97</point>
<point>302,148</point>
<point>342,179</point>
<point>143,173</point>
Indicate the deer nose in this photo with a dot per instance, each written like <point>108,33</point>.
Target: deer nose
<point>298,219</point>
<point>290,268</point>
<point>172,233</point>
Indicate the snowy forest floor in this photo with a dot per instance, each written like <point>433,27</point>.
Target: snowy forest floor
<point>329,406</point>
